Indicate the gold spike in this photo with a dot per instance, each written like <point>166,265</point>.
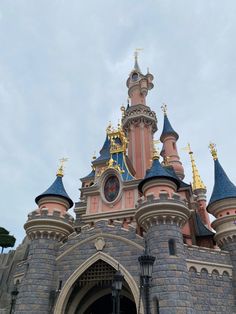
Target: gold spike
<point>156,152</point>
<point>213,150</point>
<point>164,109</point>
<point>60,171</point>
<point>197,181</point>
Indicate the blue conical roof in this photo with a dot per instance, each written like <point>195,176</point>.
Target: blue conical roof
<point>56,189</point>
<point>104,152</point>
<point>157,171</point>
<point>167,129</point>
<point>223,187</point>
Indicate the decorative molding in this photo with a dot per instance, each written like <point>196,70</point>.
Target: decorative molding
<point>99,243</point>
<point>210,267</point>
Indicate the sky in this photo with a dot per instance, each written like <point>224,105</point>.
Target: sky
<point>63,71</point>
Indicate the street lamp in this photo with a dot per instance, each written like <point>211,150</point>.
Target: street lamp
<point>146,262</point>
<point>116,288</point>
<point>14,294</point>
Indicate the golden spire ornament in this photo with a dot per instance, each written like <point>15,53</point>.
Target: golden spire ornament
<point>213,150</point>
<point>197,181</point>
<point>164,109</point>
<point>156,152</point>
<point>60,171</point>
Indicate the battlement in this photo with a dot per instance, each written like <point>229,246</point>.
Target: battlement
<point>162,210</point>
<point>45,223</point>
<point>163,196</point>
<point>45,213</point>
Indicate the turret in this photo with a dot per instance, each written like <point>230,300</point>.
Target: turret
<point>138,121</point>
<point>222,204</point>
<point>162,213</point>
<point>169,152</point>
<point>199,190</point>
<point>46,227</point>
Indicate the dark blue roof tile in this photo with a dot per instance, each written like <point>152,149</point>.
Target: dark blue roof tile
<point>157,171</point>
<point>223,187</point>
<point>89,176</point>
<point>167,129</point>
<point>56,189</point>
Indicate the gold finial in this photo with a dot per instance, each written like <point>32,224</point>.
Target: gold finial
<point>213,150</point>
<point>60,171</point>
<point>156,152</point>
<point>164,108</point>
<point>197,181</point>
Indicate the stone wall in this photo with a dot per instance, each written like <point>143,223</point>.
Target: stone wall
<point>211,293</point>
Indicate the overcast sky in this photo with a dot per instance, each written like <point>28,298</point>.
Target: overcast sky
<point>63,69</point>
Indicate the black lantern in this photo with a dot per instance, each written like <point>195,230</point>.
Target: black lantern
<point>14,294</point>
<point>118,279</point>
<point>116,289</point>
<point>146,262</point>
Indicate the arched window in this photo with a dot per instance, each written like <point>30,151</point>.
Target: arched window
<point>172,247</point>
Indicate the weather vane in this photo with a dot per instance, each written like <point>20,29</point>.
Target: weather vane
<point>213,150</point>
<point>164,108</point>
<point>60,171</point>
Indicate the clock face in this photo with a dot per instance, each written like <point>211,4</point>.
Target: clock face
<point>111,188</point>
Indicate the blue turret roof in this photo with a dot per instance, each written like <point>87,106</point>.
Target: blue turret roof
<point>56,189</point>
<point>167,129</point>
<point>104,152</point>
<point>157,171</point>
<point>91,175</point>
<point>223,187</point>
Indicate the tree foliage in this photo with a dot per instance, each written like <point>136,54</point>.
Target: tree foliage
<point>6,240</point>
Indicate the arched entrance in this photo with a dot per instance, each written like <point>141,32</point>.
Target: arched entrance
<point>91,292</point>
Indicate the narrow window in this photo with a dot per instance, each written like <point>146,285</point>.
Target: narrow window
<point>158,308</point>
<point>172,248</point>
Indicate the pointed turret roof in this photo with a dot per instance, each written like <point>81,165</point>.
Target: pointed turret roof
<point>168,129</point>
<point>136,65</point>
<point>56,189</point>
<point>223,187</point>
<point>158,172</point>
<point>104,152</point>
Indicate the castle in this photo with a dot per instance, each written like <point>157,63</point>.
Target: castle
<point>133,203</point>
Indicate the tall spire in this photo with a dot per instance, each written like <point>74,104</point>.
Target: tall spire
<point>197,181</point>
<point>136,65</point>
<point>167,127</point>
<point>223,187</point>
<point>169,150</point>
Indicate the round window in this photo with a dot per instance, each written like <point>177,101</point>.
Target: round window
<point>111,188</point>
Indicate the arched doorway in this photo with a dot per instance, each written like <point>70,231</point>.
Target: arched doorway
<point>91,292</point>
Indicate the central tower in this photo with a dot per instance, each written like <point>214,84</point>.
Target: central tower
<point>139,121</point>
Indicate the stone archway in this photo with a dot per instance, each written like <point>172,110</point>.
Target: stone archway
<point>131,291</point>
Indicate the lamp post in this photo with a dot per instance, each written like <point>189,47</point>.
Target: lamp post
<point>146,262</point>
<point>116,288</point>
<point>14,294</point>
